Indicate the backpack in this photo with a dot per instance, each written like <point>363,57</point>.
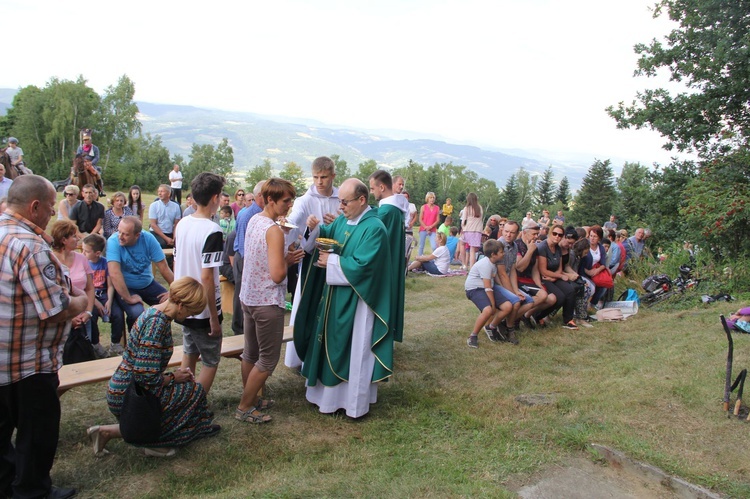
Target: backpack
<point>77,347</point>
<point>629,295</point>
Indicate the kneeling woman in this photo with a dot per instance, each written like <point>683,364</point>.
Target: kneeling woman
<point>184,409</point>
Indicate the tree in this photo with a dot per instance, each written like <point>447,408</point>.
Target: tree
<point>668,197</point>
<point>258,173</point>
<point>526,186</point>
<point>146,163</point>
<point>597,196</point>
<point>545,189</point>
<point>366,168</point>
<point>342,169</point>
<point>117,119</point>
<point>293,173</point>
<point>722,221</point>
<point>708,53</point>
<point>206,158</point>
<point>563,193</point>
<point>508,202</point>
<point>634,187</point>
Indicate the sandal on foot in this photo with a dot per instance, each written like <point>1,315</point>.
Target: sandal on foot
<point>251,416</point>
<point>264,404</point>
<point>95,436</point>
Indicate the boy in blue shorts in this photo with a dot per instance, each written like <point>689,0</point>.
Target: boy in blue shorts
<point>104,292</point>
<point>481,290</point>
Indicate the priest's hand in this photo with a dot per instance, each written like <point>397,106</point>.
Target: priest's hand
<point>312,222</point>
<point>323,259</point>
<point>328,218</point>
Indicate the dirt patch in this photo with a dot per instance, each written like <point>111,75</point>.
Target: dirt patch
<point>619,477</point>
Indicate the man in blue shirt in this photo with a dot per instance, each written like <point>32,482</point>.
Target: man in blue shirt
<point>130,254</point>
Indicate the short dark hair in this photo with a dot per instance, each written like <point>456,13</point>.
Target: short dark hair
<point>205,186</point>
<point>96,242</point>
<point>226,209</point>
<point>491,247</point>
<point>383,177</point>
<point>275,188</point>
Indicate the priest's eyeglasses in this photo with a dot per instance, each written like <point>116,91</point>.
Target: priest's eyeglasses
<point>346,202</point>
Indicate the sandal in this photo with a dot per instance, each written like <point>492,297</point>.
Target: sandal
<point>251,416</point>
<point>95,435</point>
<point>264,404</point>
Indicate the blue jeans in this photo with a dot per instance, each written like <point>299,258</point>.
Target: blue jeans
<point>422,236</point>
<point>150,295</point>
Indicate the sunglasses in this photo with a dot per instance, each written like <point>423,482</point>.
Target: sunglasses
<point>70,194</point>
<point>345,202</point>
<point>240,194</point>
<point>557,234</point>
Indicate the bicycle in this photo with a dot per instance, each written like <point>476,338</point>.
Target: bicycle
<point>660,287</point>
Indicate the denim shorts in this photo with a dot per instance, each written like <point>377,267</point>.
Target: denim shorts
<point>196,341</point>
<point>478,297</point>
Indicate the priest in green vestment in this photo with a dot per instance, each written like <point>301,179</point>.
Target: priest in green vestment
<point>392,208</point>
<point>341,328</point>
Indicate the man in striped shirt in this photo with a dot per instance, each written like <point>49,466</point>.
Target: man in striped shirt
<point>37,304</point>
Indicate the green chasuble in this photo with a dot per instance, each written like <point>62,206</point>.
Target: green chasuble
<point>324,323</point>
<point>393,219</point>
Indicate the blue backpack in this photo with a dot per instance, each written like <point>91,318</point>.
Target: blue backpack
<point>630,295</point>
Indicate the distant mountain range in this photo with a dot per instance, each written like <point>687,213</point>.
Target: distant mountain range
<point>255,137</point>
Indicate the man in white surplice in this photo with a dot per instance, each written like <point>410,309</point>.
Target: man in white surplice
<point>342,332</point>
<point>321,200</point>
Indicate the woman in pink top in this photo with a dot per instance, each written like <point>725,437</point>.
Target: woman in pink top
<point>429,219</point>
<point>64,243</point>
<point>262,295</point>
<point>239,202</point>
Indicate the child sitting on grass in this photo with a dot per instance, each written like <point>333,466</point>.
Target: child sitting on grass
<point>104,292</point>
<point>740,320</point>
<point>438,263</point>
<point>452,245</point>
<point>481,290</point>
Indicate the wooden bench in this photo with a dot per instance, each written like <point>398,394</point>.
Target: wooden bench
<point>83,373</point>
<point>227,295</point>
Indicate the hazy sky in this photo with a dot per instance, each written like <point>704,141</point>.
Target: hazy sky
<point>509,73</point>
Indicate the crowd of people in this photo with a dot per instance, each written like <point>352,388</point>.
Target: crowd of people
<point>342,260</point>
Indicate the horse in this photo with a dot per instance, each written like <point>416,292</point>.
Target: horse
<point>83,172</point>
<point>12,171</point>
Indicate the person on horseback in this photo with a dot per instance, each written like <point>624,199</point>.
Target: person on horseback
<point>15,152</point>
<point>91,152</point>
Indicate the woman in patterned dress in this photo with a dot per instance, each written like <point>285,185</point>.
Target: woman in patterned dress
<point>113,215</point>
<point>185,415</point>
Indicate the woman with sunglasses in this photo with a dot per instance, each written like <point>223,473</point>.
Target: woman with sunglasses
<point>69,200</point>
<point>555,280</point>
<point>239,202</point>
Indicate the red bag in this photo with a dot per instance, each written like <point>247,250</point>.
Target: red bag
<point>603,279</point>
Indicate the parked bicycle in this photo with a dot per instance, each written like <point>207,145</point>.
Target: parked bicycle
<point>660,287</point>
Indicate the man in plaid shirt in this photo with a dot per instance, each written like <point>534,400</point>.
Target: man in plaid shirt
<point>36,306</point>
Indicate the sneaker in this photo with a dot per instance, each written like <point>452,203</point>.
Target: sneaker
<point>511,336</point>
<point>100,351</point>
<point>159,451</point>
<point>115,349</point>
<point>473,341</point>
<point>571,325</point>
<point>491,333</point>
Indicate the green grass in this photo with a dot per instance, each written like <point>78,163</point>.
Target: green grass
<point>448,424</point>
